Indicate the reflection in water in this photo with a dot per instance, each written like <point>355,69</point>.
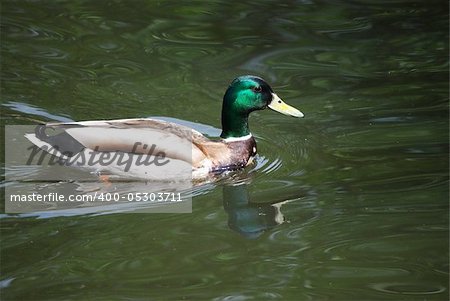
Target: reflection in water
<point>250,219</point>
<point>33,110</point>
<point>247,218</point>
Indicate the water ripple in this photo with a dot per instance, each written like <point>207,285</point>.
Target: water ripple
<point>409,288</point>
<point>104,44</point>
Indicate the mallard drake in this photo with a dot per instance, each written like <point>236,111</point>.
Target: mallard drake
<point>235,149</point>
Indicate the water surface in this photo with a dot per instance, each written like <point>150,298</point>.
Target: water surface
<point>348,203</point>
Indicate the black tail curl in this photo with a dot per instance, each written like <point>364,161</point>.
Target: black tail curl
<point>63,142</point>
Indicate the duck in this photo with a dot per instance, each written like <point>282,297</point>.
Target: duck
<point>176,145</point>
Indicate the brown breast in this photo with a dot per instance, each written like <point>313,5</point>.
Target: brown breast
<point>237,155</point>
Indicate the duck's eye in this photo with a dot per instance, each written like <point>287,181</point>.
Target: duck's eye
<point>257,89</point>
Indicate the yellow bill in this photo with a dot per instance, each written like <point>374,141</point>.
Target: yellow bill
<point>280,106</point>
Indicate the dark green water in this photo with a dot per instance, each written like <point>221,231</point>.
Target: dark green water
<point>349,203</point>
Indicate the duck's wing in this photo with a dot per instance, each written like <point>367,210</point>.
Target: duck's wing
<point>138,136</point>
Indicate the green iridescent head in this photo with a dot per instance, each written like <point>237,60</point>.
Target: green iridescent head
<point>244,95</point>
